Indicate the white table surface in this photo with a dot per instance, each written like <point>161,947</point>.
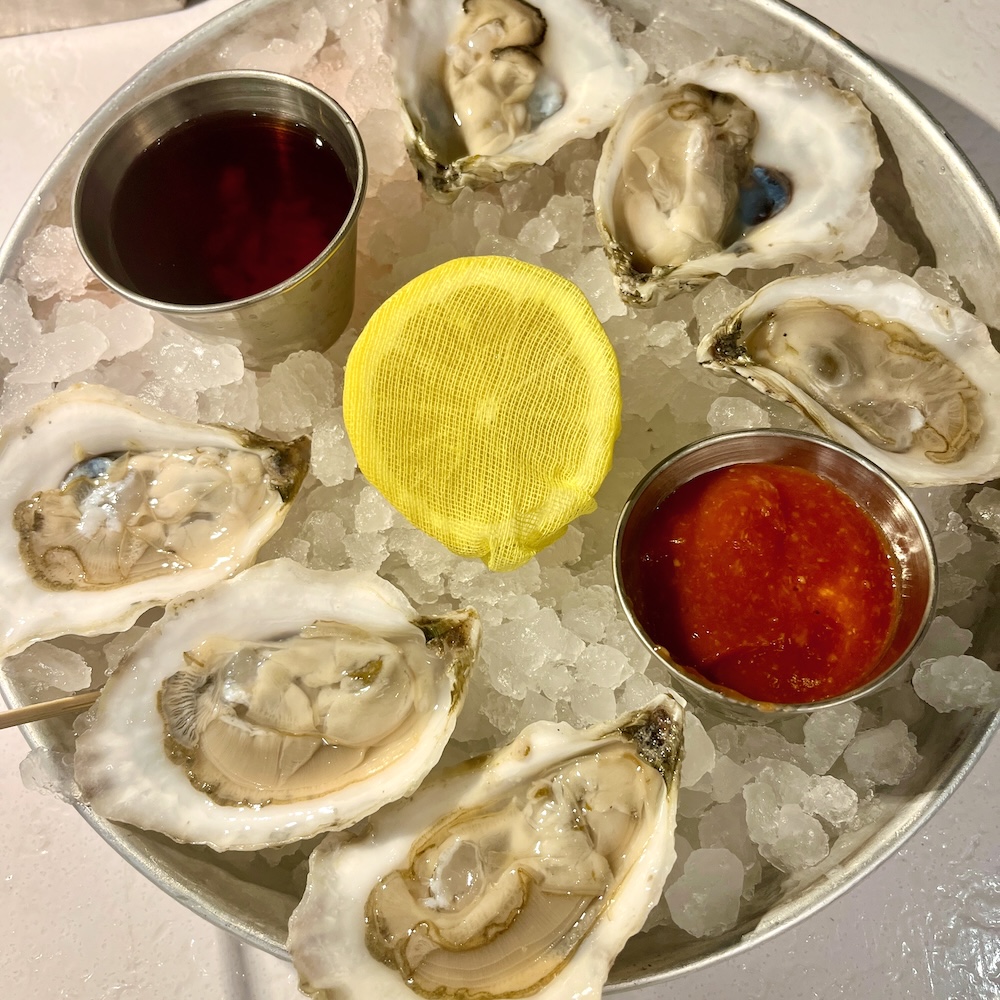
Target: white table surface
<point>77,922</point>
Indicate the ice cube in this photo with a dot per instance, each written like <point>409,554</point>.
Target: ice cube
<point>943,638</point>
<point>827,732</point>
<point>952,538</point>
<point>705,900</point>
<point>788,781</point>
<point>594,278</point>
<point>761,812</point>
<point>725,825</point>
<point>53,265</point>
<point>715,302</point>
<point>18,399</point>
<point>587,612</point>
<point>938,282</point>
<point>645,386</point>
<point>831,799</point>
<point>171,397</point>
<point>728,778</point>
<point>747,743</point>
<point>535,707</point>
<point>734,413</point>
<point>882,756</point>
<point>984,506</point>
<point>565,213</point>
<point>51,773</point>
<point>373,512</point>
<point>332,461</point>
<point>127,326</point>
<point>592,703</point>
<point>636,692</point>
<point>299,392</point>
<point>235,404</point>
<point>325,531</point>
<point>564,551</point>
<point>382,132</point>
<point>283,55</point>
<point>670,340</point>
<point>538,236</point>
<point>555,681</point>
<point>68,349</point>
<point>800,840</point>
<point>956,682</point>
<point>602,665</point>
<point>19,330</point>
<point>44,668</point>
<point>699,751</point>
<point>501,711</point>
<point>365,552</point>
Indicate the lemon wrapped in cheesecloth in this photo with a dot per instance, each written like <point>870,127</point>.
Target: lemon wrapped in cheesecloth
<point>482,399</point>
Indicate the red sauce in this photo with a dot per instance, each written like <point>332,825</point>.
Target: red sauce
<point>768,580</point>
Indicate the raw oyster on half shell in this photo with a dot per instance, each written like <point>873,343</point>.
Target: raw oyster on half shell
<point>879,364</point>
<point>490,87</point>
<point>725,166</point>
<point>520,873</point>
<point>275,706</point>
<point>109,507</point>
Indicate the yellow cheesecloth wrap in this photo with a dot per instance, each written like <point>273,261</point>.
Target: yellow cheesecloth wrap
<point>482,399</point>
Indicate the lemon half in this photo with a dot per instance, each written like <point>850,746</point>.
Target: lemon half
<point>482,399</point>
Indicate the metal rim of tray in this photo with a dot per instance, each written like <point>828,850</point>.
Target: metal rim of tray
<point>907,820</point>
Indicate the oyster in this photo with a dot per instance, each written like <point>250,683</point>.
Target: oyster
<point>274,706</point>
<point>724,166</point>
<point>879,364</point>
<point>109,507</point>
<point>490,87</point>
<point>518,874</point>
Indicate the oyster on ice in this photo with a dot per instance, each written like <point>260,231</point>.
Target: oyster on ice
<point>490,87</point>
<point>879,364</point>
<point>109,507</point>
<point>724,166</point>
<point>520,873</point>
<point>279,704</point>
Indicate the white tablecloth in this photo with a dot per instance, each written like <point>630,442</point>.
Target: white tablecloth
<point>77,922</point>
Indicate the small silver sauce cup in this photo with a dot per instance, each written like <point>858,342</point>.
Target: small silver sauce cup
<point>883,499</point>
<point>306,311</point>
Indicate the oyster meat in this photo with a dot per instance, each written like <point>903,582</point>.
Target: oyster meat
<point>490,87</point>
<point>109,507</point>
<point>725,166</point>
<point>521,873</point>
<point>879,364</point>
<point>274,706</point>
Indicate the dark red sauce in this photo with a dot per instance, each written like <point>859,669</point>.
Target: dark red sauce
<point>227,206</point>
<point>768,580</point>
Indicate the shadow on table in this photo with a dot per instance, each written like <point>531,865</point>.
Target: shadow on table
<point>976,137</point>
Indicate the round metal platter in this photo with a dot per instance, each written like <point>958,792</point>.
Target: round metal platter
<point>926,190</point>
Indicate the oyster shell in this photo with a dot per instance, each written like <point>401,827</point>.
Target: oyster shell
<point>518,874</point>
<point>109,507</point>
<point>724,166</point>
<point>274,706</point>
<point>879,364</point>
<point>490,87</point>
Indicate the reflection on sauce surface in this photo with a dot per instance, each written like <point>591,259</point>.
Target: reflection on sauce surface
<point>768,580</point>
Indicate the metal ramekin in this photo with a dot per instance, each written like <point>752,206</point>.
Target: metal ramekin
<point>869,486</point>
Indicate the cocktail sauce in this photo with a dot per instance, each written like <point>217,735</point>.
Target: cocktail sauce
<point>226,206</point>
<point>768,580</point>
